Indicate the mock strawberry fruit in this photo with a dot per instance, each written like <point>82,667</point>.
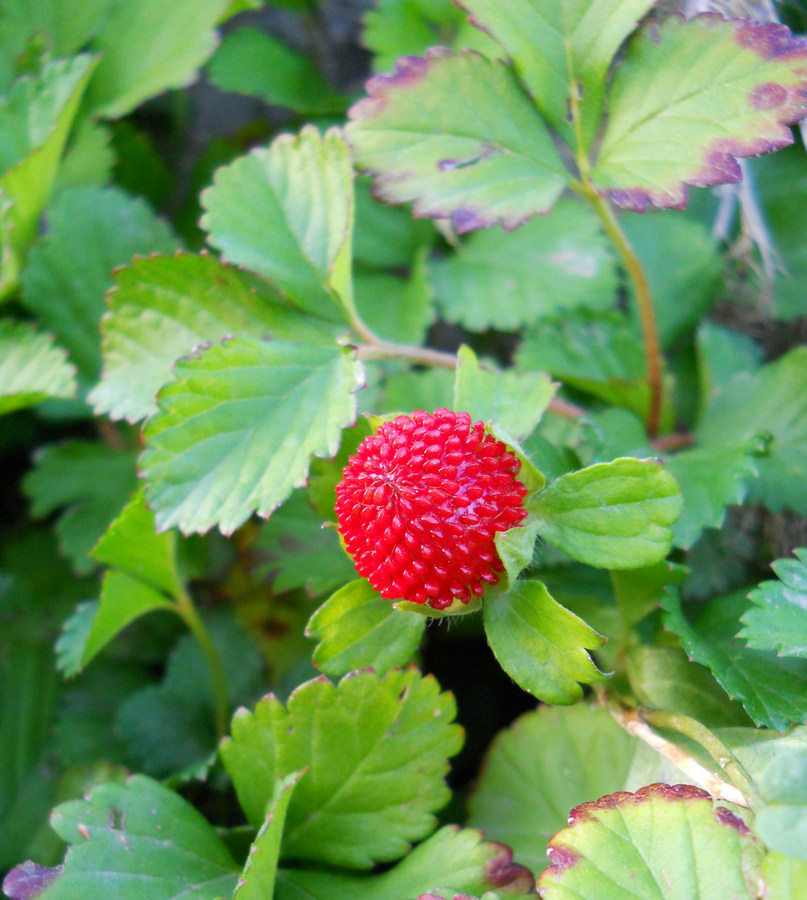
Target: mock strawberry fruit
<point>420,504</point>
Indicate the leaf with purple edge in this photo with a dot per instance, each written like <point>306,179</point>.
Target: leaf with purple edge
<point>689,98</point>
<point>456,133</point>
<point>662,841</point>
<point>29,880</point>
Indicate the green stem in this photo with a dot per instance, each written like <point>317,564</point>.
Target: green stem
<point>719,752</point>
<point>221,702</point>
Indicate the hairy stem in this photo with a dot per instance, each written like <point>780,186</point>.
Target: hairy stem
<point>221,702</point>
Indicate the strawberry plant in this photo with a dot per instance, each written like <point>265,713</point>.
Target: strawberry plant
<point>405,450</point>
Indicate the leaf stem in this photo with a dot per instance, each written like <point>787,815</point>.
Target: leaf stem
<point>719,752</point>
<point>221,702</point>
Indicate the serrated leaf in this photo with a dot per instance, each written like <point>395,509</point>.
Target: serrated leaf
<point>770,403</point>
<point>516,548</point>
<point>773,690</point>
<point>513,401</point>
<point>90,483</point>
<point>613,515</point>
<point>456,134</point>
<point>145,843</point>
<point>237,428</point>
<point>663,841</point>
<point>777,620</point>
<point>257,878</point>
<point>358,629</point>
<point>540,644</point>
<point>505,281</point>
<point>35,118</point>
<point>547,762</point>
<point>257,64</point>
<point>91,230</point>
<point>691,96</point>
<point>88,157</point>
<point>710,480</point>
<point>452,859</point>
<point>147,48</point>
<point>164,307</point>
<point>32,367</point>
<point>561,49</point>
<point>376,750</point>
<point>783,877</point>
<point>286,211</point>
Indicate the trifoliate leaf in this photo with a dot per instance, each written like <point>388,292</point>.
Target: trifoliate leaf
<point>504,281</point>
<point>773,690</point>
<point>32,367</point>
<point>456,134</point>
<point>540,644</point>
<point>663,841</point>
<point>147,47</point>
<point>164,307</point>
<point>90,231</point>
<point>139,841</point>
<point>237,429</point>
<point>772,404</point>
<point>358,629</point>
<point>376,751</point>
<point>547,762</point>
<point>777,619</point>
<point>613,515</point>
<point>286,211</point>
<point>689,97</point>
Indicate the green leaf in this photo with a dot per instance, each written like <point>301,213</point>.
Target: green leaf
<point>776,620</point>
<point>91,230</point>
<point>133,545</point>
<point>513,401</point>
<point>688,98</point>
<point>561,49</point>
<point>376,749</point>
<point>395,28</point>
<point>722,354</point>
<point>547,762</point>
<point>456,134</point>
<point>663,841</point>
<point>540,644</point>
<point>771,403</point>
<point>782,823</point>
<point>638,592</point>
<point>710,479</point>
<point>286,211</point>
<point>358,629</point>
<point>35,118</point>
<point>504,281</point>
<point>783,877</point>
<point>772,690</point>
<point>88,158</point>
<point>683,267</point>
<point>64,26</point>
<point>32,367</point>
<point>613,515</point>
<point>145,843</point>
<point>516,548</point>
<point>147,47</point>
<point>90,483</point>
<point>164,307</point>
<point>257,879</point>
<point>257,64</point>
<point>452,860</point>
<point>237,429</point>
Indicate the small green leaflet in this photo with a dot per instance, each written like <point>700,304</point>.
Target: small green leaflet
<point>358,629</point>
<point>286,211</point>
<point>376,750</point>
<point>237,428</point>
<point>663,841</point>
<point>560,49</point>
<point>777,620</point>
<point>541,645</point>
<point>32,367</point>
<point>688,98</point>
<point>457,134</point>
<point>613,515</point>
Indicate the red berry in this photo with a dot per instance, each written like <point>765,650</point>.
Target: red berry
<point>420,503</point>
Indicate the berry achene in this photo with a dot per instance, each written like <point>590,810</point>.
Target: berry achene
<point>421,502</point>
